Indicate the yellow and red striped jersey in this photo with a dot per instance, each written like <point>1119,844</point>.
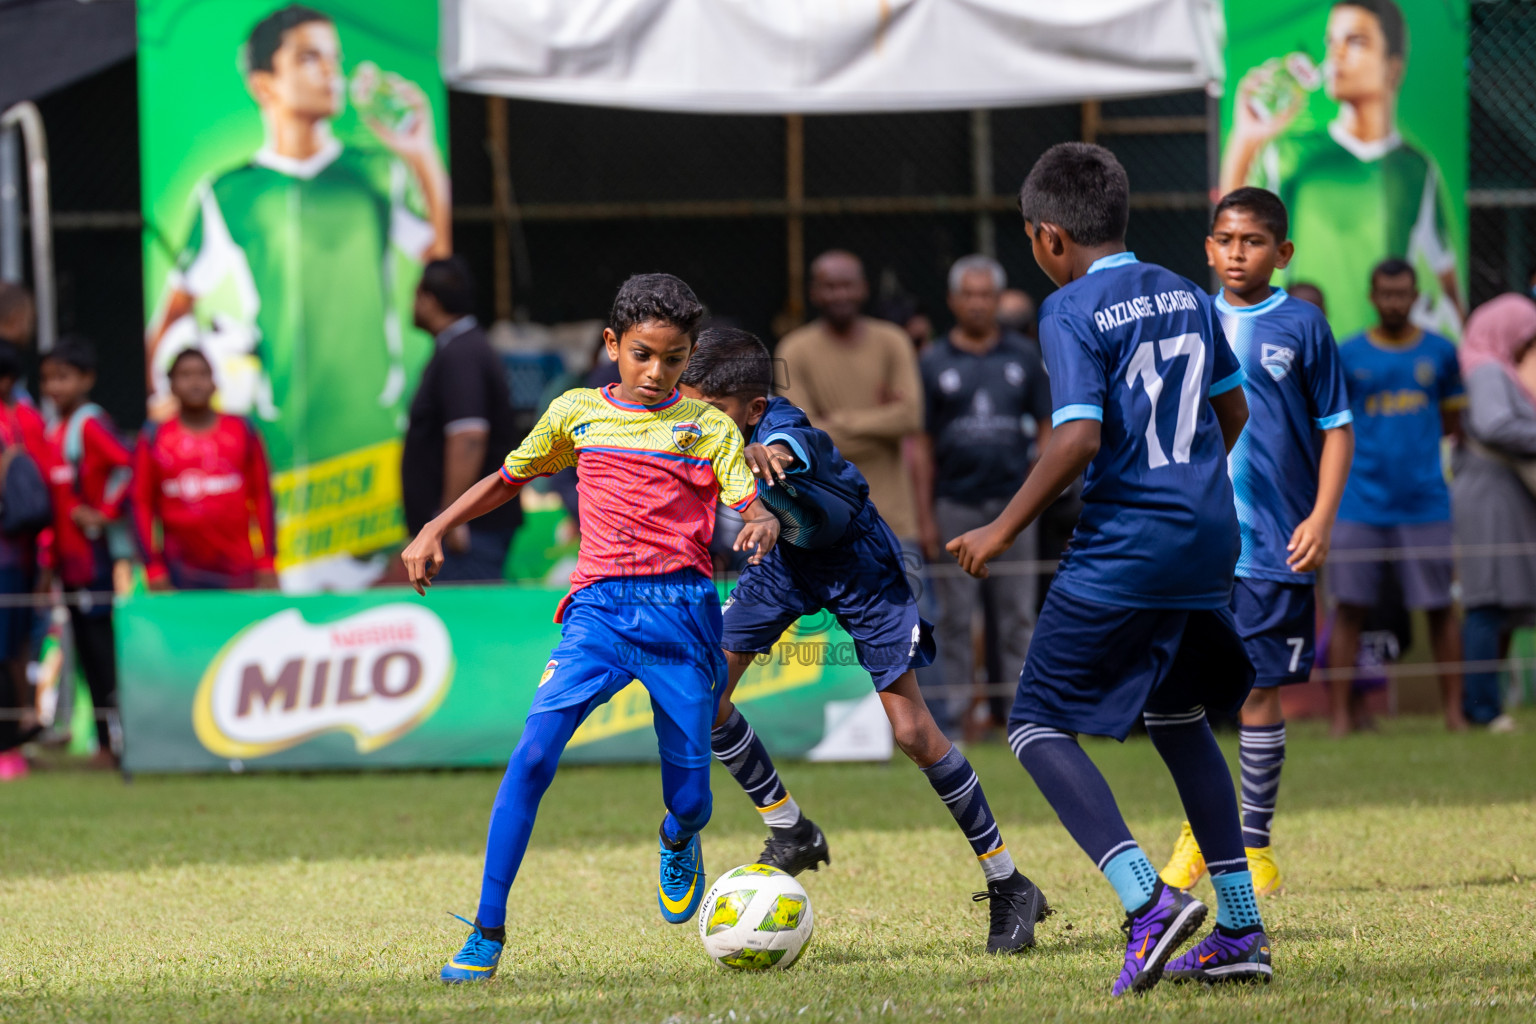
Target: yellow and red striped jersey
<point>648,478</point>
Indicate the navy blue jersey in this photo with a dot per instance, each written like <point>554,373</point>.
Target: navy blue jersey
<point>1139,348</point>
<point>824,494</point>
<point>1295,390</point>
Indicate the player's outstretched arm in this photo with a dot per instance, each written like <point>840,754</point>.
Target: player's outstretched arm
<point>423,557</point>
<point>1311,539</point>
<point>1231,410</point>
<point>1071,447</point>
<point>760,533</point>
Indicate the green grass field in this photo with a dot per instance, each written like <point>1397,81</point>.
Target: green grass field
<point>1409,858</point>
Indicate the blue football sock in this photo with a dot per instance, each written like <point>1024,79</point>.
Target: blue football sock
<point>686,793</point>
<point>1076,791</point>
<point>1261,753</point>
<point>529,773</point>
<point>1133,876</point>
<point>953,778</point>
<point>1188,747</point>
<point>1236,907</point>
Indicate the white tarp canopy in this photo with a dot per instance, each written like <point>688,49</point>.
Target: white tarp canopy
<point>826,56</point>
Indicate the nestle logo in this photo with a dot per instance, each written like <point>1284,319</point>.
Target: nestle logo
<point>401,632</point>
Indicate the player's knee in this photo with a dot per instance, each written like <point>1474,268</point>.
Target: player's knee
<point>920,738</point>
<point>532,766</point>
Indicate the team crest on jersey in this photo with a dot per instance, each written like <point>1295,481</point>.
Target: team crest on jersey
<point>1276,359</point>
<point>1424,372</point>
<point>949,381</point>
<point>685,434</point>
<point>549,670</point>
<point>1013,373</point>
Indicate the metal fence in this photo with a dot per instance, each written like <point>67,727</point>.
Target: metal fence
<point>556,204</point>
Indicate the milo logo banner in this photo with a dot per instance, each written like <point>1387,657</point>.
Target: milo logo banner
<point>294,184</point>
<point>221,681</point>
<point>1355,113</point>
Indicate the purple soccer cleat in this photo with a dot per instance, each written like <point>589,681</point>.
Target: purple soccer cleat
<point>1153,932</point>
<point>1226,956</point>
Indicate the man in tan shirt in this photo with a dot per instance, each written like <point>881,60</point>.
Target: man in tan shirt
<point>857,379</point>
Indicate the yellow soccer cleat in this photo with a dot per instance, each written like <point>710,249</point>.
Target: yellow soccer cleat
<point>1187,864</point>
<point>1266,875</point>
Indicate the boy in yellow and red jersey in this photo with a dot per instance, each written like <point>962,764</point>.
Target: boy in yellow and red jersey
<point>651,465</point>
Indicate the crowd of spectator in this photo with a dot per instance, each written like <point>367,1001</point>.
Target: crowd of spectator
<point>944,425</point>
<point>984,398</point>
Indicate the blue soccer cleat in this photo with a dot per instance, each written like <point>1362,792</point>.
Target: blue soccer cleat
<point>682,885</point>
<point>478,959</point>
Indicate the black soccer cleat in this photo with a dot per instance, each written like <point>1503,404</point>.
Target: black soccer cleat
<point>795,849</point>
<point>1017,906</point>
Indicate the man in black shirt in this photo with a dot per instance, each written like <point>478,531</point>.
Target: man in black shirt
<point>987,406</point>
<point>461,426</point>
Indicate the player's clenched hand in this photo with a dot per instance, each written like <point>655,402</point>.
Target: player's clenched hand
<point>759,535</point>
<point>975,548</point>
<point>768,462</point>
<point>1309,545</point>
<point>423,557</point>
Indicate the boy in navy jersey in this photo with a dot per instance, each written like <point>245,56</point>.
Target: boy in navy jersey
<point>835,555</point>
<point>1288,471</point>
<point>1147,397</point>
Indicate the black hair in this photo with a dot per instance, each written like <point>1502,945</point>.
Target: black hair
<point>267,37</point>
<point>1390,17</point>
<point>73,350</point>
<point>188,353</point>
<point>1082,189</point>
<point>1393,266</point>
<point>451,283</point>
<point>1262,204</point>
<point>728,362</point>
<point>655,298</point>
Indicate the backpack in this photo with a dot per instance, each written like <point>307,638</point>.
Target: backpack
<point>26,507</point>
<point>120,542</point>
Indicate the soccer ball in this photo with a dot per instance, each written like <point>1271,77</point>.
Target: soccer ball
<point>755,918</point>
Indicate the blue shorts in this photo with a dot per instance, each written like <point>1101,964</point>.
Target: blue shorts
<point>1094,668</point>
<point>1278,624</point>
<point>661,630</point>
<point>863,585</point>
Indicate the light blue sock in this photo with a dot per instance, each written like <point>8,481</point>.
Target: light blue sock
<point>1235,906</point>
<point>1134,878</point>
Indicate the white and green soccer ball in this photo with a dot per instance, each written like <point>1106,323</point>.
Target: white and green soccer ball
<point>755,918</point>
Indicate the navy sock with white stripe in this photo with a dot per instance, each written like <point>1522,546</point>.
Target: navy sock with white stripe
<point>1077,792</point>
<point>736,746</point>
<point>953,778</point>
<point>1261,752</point>
<point>1188,747</point>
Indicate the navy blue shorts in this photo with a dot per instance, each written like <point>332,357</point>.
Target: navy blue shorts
<point>1094,668</point>
<point>661,630</point>
<point>1278,624</point>
<point>862,585</point>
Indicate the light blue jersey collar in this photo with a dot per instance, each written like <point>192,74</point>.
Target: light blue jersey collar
<point>1276,297</point>
<point>1117,259</point>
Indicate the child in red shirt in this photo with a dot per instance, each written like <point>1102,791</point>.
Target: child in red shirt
<point>203,476</point>
<point>89,479</point>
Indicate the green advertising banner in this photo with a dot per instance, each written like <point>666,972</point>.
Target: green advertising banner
<point>1356,115</point>
<point>221,681</point>
<point>294,184</point>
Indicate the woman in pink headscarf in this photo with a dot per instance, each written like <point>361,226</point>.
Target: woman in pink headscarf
<point>1492,499</point>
